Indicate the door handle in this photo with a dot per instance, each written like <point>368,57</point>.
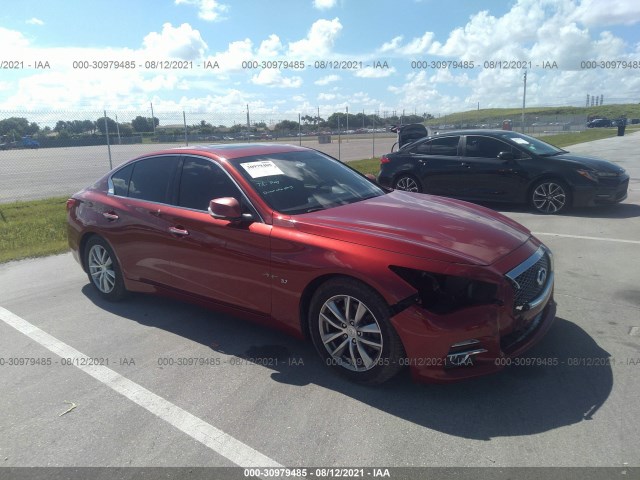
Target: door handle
<point>111,216</point>
<point>179,231</point>
<point>465,164</point>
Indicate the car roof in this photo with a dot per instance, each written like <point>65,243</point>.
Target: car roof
<point>477,131</point>
<point>233,150</point>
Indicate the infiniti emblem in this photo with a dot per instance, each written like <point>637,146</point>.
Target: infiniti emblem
<point>541,276</point>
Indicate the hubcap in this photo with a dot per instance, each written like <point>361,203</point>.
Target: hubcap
<point>407,184</point>
<point>101,269</point>
<point>549,197</point>
<point>350,333</point>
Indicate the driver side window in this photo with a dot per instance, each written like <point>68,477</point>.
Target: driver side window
<point>201,181</point>
<point>486,147</point>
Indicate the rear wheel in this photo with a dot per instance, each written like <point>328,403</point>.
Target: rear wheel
<point>103,269</point>
<point>550,196</point>
<point>351,330</point>
<point>408,183</point>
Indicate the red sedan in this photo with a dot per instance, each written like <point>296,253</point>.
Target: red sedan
<point>292,238</point>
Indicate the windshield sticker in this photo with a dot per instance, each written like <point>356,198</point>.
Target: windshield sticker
<point>521,141</point>
<point>263,168</point>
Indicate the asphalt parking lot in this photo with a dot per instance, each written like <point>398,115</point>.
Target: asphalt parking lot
<point>286,408</point>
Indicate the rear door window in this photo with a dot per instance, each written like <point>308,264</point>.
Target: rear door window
<point>152,178</point>
<point>443,146</point>
<point>120,181</point>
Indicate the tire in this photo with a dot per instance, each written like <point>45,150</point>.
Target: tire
<point>103,269</point>
<point>550,196</point>
<point>361,345</point>
<point>408,183</point>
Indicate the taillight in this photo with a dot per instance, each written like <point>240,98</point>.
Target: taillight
<point>72,202</point>
<point>384,159</point>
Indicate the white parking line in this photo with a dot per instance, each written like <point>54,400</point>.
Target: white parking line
<point>602,239</point>
<point>218,441</point>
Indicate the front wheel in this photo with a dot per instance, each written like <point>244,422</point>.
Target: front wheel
<point>407,183</point>
<point>550,196</point>
<point>351,330</point>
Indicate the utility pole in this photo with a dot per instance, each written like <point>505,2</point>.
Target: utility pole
<point>524,98</point>
<point>153,120</point>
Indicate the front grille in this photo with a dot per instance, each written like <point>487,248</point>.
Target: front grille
<point>530,278</point>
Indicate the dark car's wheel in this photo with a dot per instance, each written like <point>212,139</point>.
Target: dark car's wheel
<point>550,196</point>
<point>408,183</point>
<point>103,269</point>
<point>350,328</point>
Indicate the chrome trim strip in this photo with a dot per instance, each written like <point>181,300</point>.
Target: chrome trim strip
<point>461,358</point>
<point>544,296</point>
<point>524,266</point>
<point>464,343</point>
<point>111,190</point>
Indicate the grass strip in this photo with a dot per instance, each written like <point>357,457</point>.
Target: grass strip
<point>32,228</point>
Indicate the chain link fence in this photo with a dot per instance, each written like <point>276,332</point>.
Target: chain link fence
<point>47,154</point>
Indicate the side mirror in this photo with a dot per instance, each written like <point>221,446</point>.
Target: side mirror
<point>227,208</point>
<point>506,156</point>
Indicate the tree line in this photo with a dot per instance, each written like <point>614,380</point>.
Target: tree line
<point>18,127</point>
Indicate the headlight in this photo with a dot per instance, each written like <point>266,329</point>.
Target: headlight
<point>444,294</point>
<point>594,175</point>
<point>591,175</point>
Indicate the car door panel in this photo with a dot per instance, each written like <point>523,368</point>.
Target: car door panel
<point>219,260</point>
<point>224,261</point>
<point>487,177</point>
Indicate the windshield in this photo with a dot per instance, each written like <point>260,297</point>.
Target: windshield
<point>304,181</point>
<point>531,144</point>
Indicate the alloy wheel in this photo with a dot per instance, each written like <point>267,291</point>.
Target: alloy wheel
<point>549,197</point>
<point>407,184</point>
<point>350,333</point>
<point>101,269</point>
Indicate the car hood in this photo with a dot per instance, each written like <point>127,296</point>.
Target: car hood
<point>590,162</point>
<point>424,226</point>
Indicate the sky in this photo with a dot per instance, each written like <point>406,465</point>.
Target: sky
<point>417,56</point>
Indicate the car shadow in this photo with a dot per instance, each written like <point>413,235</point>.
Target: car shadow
<point>523,399</point>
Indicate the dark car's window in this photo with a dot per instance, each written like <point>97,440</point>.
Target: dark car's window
<point>202,181</point>
<point>531,144</point>
<point>423,148</point>
<point>304,181</point>
<point>447,146</point>
<point>485,147</point>
<point>120,180</point>
<point>152,178</point>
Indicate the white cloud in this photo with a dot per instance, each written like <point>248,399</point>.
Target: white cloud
<point>370,72</point>
<point>35,21</point>
<point>327,80</point>
<point>324,4</point>
<point>12,39</point>
<point>319,40</point>
<point>598,12</point>
<point>419,45</point>
<point>274,78</point>
<point>181,42</point>
<point>236,53</point>
<point>393,45</point>
<point>271,47</point>
<point>209,10</point>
